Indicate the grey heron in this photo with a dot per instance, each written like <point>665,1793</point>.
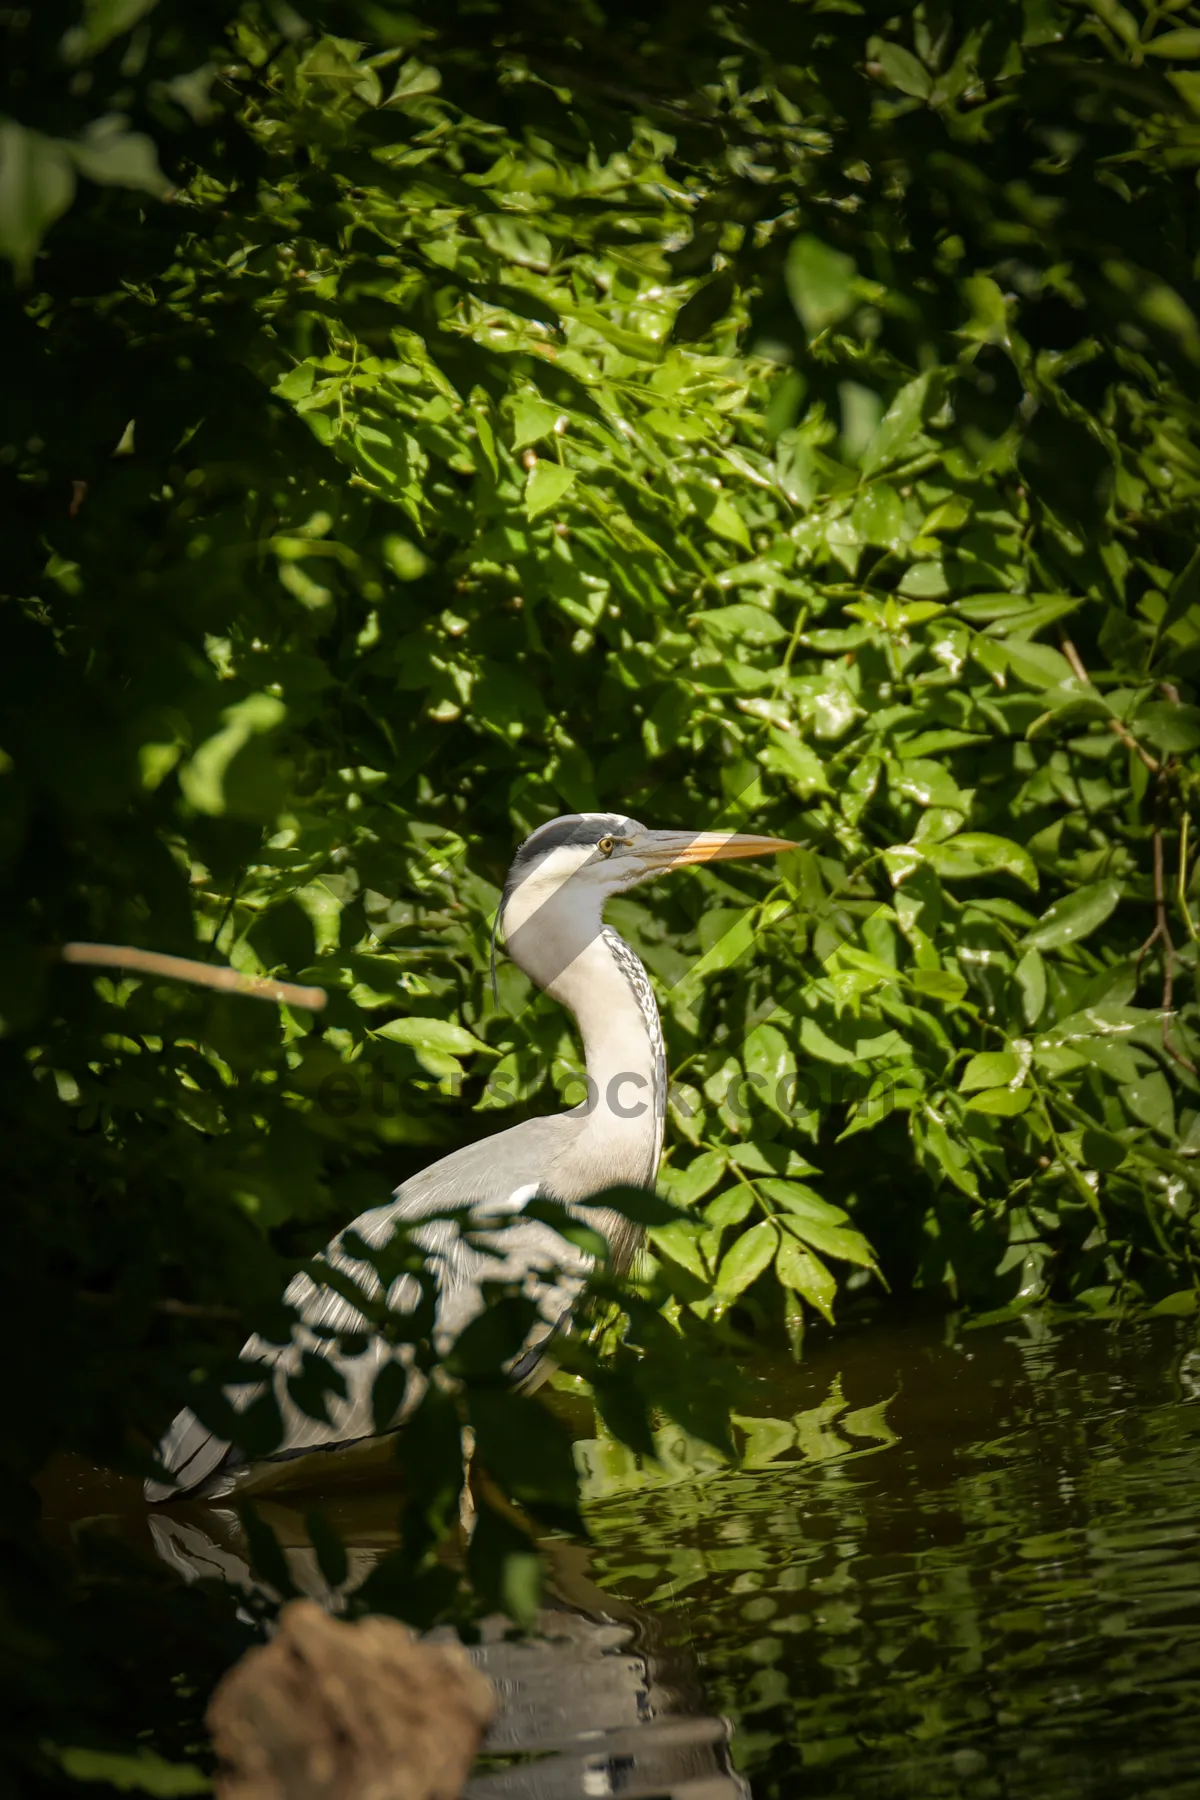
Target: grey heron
<point>551,916</point>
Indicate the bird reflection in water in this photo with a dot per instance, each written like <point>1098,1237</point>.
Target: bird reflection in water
<point>599,1699</point>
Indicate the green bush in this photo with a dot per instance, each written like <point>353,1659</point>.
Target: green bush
<point>422,424</point>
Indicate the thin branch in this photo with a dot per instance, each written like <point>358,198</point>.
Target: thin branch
<point>1114,725</point>
<point>1162,935</point>
<point>180,968</point>
<point>1181,894</point>
<point>178,1309</point>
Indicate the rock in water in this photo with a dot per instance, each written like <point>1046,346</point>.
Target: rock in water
<point>332,1711</point>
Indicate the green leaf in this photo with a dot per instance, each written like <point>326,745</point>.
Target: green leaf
<point>685,1186</point>
<point>388,1393</point>
<point>1001,1102</point>
<point>721,516</point>
<point>928,783</point>
<point>642,1205</point>
<point>729,1208</point>
<point>433,1034</point>
<point>740,624</point>
<point>902,70</point>
<point>797,762</point>
<point>1103,1150</point>
<point>330,1550</point>
<point>1183,44</point>
<point>525,1449</point>
<point>505,1568</point>
<point>111,156</point>
<point>1185,589</point>
<point>798,1198</point>
<point>974,853</point>
<point>515,240</point>
<point>878,514</point>
<point>768,1054</point>
<point>840,1241</point>
<point>818,1043</point>
<point>991,1068</point>
<point>899,425</point>
<point>298,382</point>
<point>485,433</point>
<point>234,771</point>
<point>546,487</point>
<point>950,1157</point>
<point>103,20</point>
<point>413,79</point>
<point>1150,1102</point>
<point>1040,666</point>
<point>805,1274</point>
<point>402,556</point>
<point>138,1771</point>
<point>820,282</point>
<point>938,984</point>
<point>746,1259</point>
<point>532,421</point>
<point>681,1243</point>
<point>1075,917</point>
<point>1030,976</point>
<point>37,185</point>
<point>1171,728</point>
<point>1181,1304</point>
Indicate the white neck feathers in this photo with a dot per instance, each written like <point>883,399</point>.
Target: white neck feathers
<point>567,950</point>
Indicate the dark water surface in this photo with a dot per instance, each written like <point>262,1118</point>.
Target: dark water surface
<point>964,1563</point>
<point>1003,1602</point>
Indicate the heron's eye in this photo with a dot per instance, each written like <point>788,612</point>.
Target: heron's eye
<point>605,846</point>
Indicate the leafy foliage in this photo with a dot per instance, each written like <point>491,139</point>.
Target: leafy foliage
<point>417,432</point>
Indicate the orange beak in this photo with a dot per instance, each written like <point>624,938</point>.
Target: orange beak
<point>678,849</point>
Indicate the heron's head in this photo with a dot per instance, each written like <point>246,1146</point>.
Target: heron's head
<point>565,871</point>
<point>578,862</point>
<point>591,856</point>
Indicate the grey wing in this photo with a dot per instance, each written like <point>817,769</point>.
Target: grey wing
<point>495,1177</point>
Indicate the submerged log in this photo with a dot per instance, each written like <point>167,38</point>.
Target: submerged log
<point>333,1711</point>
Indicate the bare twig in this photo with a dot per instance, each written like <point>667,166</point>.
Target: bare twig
<point>1114,725</point>
<point>1181,893</point>
<point>1162,935</point>
<point>181,968</point>
<point>178,1309</point>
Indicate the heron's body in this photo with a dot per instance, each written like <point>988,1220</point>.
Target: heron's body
<point>552,919</point>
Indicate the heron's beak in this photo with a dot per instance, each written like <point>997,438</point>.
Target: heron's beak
<point>676,849</point>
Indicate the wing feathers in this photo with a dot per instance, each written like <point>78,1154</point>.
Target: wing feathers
<point>495,1176</point>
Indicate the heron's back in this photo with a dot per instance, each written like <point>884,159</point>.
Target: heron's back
<point>551,1157</point>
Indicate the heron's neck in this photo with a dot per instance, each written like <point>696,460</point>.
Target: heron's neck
<point>591,971</point>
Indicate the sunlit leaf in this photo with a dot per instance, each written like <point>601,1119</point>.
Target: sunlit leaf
<point>974,853</point>
<point>433,1034</point>
<point>1003,1102</point>
<point>804,1272</point>
<point>1075,917</point>
<point>746,1260</point>
<point>548,485</point>
<point>990,1068</point>
<point>138,1771</point>
<point>820,282</point>
<point>37,184</point>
